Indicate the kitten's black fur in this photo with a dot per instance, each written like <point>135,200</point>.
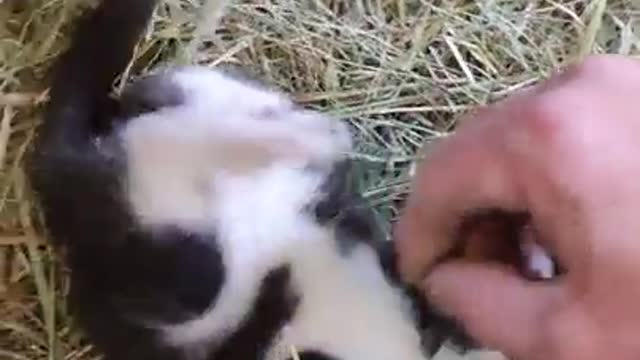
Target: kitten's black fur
<point>122,275</point>
<point>119,271</point>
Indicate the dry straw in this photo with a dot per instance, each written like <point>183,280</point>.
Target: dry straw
<point>400,71</point>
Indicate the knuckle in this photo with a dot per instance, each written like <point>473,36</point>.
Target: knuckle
<point>544,120</point>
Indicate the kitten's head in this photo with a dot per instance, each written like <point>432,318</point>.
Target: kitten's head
<point>253,125</point>
<point>190,119</point>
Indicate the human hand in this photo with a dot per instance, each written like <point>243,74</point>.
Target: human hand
<point>568,153</point>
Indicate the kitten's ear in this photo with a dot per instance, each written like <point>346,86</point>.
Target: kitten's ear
<point>159,90</point>
<point>150,93</point>
<point>337,192</point>
<point>342,205</point>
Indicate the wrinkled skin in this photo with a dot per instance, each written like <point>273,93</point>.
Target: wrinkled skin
<point>567,152</point>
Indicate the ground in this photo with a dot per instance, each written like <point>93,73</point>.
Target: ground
<point>400,71</point>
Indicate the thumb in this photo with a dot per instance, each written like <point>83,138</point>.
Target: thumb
<point>498,308</point>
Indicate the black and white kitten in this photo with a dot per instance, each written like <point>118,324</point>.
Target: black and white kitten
<point>207,217</point>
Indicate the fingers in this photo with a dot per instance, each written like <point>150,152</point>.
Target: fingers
<point>499,158</point>
<point>495,306</point>
<point>536,152</point>
<point>466,172</point>
<point>525,153</point>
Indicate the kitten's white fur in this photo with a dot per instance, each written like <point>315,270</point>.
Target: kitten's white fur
<point>231,158</point>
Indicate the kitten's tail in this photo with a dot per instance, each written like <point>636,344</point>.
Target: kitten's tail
<point>101,48</point>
